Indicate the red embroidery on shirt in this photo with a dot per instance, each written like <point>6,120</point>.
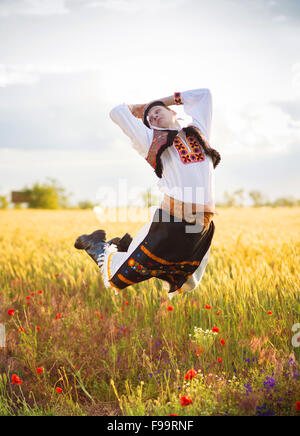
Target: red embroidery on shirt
<point>185,155</point>
<point>159,139</point>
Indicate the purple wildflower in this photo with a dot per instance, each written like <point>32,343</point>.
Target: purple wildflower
<point>291,362</point>
<point>248,388</point>
<point>269,383</point>
<point>263,411</point>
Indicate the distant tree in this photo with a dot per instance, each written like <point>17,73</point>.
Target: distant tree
<point>230,200</point>
<point>3,202</point>
<point>239,197</point>
<point>282,202</point>
<point>85,204</point>
<point>42,197</point>
<point>46,196</point>
<point>63,197</point>
<point>257,198</point>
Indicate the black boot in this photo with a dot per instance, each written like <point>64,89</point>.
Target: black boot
<point>94,244</point>
<point>124,242</point>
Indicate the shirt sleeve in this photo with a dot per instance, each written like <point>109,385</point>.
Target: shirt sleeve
<point>198,104</point>
<point>140,135</point>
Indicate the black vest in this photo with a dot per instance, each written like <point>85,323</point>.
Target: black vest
<point>163,139</point>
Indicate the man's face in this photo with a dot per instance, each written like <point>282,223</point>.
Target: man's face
<point>159,116</point>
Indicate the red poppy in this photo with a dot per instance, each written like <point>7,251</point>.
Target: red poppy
<point>38,328</point>
<point>170,308</point>
<point>39,291</point>
<point>59,390</point>
<point>11,312</point>
<point>32,294</point>
<point>173,414</point>
<point>58,316</point>
<point>126,303</point>
<point>16,379</point>
<point>28,304</point>
<point>21,330</point>
<point>220,360</point>
<point>40,370</point>
<point>122,308</point>
<point>185,401</point>
<point>199,351</point>
<point>207,306</point>
<point>28,297</point>
<point>190,374</point>
<point>222,341</point>
<point>269,313</point>
<point>298,406</point>
<point>215,329</point>
<point>219,312</point>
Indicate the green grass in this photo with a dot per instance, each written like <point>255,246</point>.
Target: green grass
<point>128,354</point>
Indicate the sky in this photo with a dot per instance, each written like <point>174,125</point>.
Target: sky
<point>64,64</point>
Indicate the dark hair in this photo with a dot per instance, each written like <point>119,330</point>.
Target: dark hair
<point>214,154</point>
<point>150,106</point>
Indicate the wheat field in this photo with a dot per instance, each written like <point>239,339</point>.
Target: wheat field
<point>72,347</point>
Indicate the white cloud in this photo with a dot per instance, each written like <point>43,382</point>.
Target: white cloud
<point>227,46</point>
<point>10,75</point>
<point>95,169</point>
<point>134,5</point>
<point>296,75</point>
<point>256,128</point>
<point>28,74</point>
<point>280,18</point>
<point>33,7</point>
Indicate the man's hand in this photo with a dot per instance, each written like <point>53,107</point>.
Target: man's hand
<point>137,109</point>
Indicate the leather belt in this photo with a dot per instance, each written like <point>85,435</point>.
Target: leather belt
<point>190,212</point>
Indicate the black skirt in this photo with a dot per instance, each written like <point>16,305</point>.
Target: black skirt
<point>171,251</point>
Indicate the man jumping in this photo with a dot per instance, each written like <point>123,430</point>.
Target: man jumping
<point>174,245</point>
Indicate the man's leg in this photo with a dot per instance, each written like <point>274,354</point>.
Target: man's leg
<point>95,244</point>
